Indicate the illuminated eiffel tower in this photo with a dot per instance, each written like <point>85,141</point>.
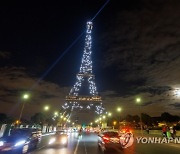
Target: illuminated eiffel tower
<point>92,101</point>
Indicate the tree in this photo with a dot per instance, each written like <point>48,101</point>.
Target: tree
<point>129,118</point>
<point>3,117</point>
<point>136,118</point>
<point>38,118</point>
<point>146,119</point>
<point>169,118</point>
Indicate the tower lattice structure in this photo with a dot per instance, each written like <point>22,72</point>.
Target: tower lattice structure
<point>91,101</point>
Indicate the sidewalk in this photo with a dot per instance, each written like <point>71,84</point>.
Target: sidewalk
<point>152,133</point>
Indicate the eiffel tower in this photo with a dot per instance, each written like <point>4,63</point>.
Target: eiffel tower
<point>92,101</point>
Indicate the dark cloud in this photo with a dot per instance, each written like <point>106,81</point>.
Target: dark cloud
<point>4,55</point>
<point>148,103</point>
<point>175,105</point>
<point>15,81</point>
<point>144,43</point>
<point>155,90</point>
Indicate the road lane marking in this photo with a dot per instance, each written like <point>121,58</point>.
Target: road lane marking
<point>85,148</point>
<point>75,151</point>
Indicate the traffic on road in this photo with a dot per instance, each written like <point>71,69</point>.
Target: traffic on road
<point>109,141</point>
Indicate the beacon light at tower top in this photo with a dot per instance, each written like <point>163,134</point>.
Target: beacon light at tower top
<point>85,72</point>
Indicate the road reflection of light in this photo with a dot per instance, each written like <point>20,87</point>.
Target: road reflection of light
<point>73,135</point>
<point>129,150</point>
<point>55,151</point>
<point>48,134</point>
<point>91,138</point>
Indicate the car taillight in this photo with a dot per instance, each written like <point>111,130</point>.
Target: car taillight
<point>105,139</point>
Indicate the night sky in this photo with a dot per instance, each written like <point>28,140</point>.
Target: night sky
<point>136,53</point>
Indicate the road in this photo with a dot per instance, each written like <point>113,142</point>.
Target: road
<point>88,145</point>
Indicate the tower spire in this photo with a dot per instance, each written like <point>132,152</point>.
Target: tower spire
<point>74,99</point>
<point>86,64</point>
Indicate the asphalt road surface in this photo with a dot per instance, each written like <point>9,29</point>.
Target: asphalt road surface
<point>87,144</point>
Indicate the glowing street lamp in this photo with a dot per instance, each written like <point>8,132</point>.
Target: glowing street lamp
<point>138,101</point>
<point>119,109</point>
<point>46,108</point>
<point>24,97</point>
<point>104,117</point>
<point>114,123</point>
<point>109,114</point>
<point>56,113</point>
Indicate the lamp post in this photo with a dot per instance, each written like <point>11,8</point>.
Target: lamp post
<point>55,113</point>
<point>119,109</point>
<point>109,114</point>
<point>138,101</point>
<point>46,108</point>
<point>24,97</point>
<point>114,124</point>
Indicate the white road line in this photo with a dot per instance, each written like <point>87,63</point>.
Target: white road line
<point>85,148</point>
<point>75,151</point>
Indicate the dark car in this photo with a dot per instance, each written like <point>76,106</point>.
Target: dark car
<point>60,138</point>
<point>109,140</point>
<point>20,140</point>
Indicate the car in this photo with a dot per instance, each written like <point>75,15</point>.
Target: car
<point>20,140</point>
<point>60,138</point>
<point>108,140</point>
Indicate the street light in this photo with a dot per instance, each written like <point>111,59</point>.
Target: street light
<point>114,123</point>
<point>119,109</point>
<point>46,108</point>
<point>56,113</point>
<point>138,101</point>
<point>109,114</point>
<point>24,97</point>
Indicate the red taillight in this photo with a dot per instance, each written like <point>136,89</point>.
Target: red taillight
<point>105,139</point>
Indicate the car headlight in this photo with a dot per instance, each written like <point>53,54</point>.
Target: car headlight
<point>64,140</point>
<point>19,143</point>
<point>52,140</point>
<point>1,143</point>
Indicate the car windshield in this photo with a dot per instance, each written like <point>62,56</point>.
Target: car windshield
<point>110,134</point>
<point>19,132</point>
